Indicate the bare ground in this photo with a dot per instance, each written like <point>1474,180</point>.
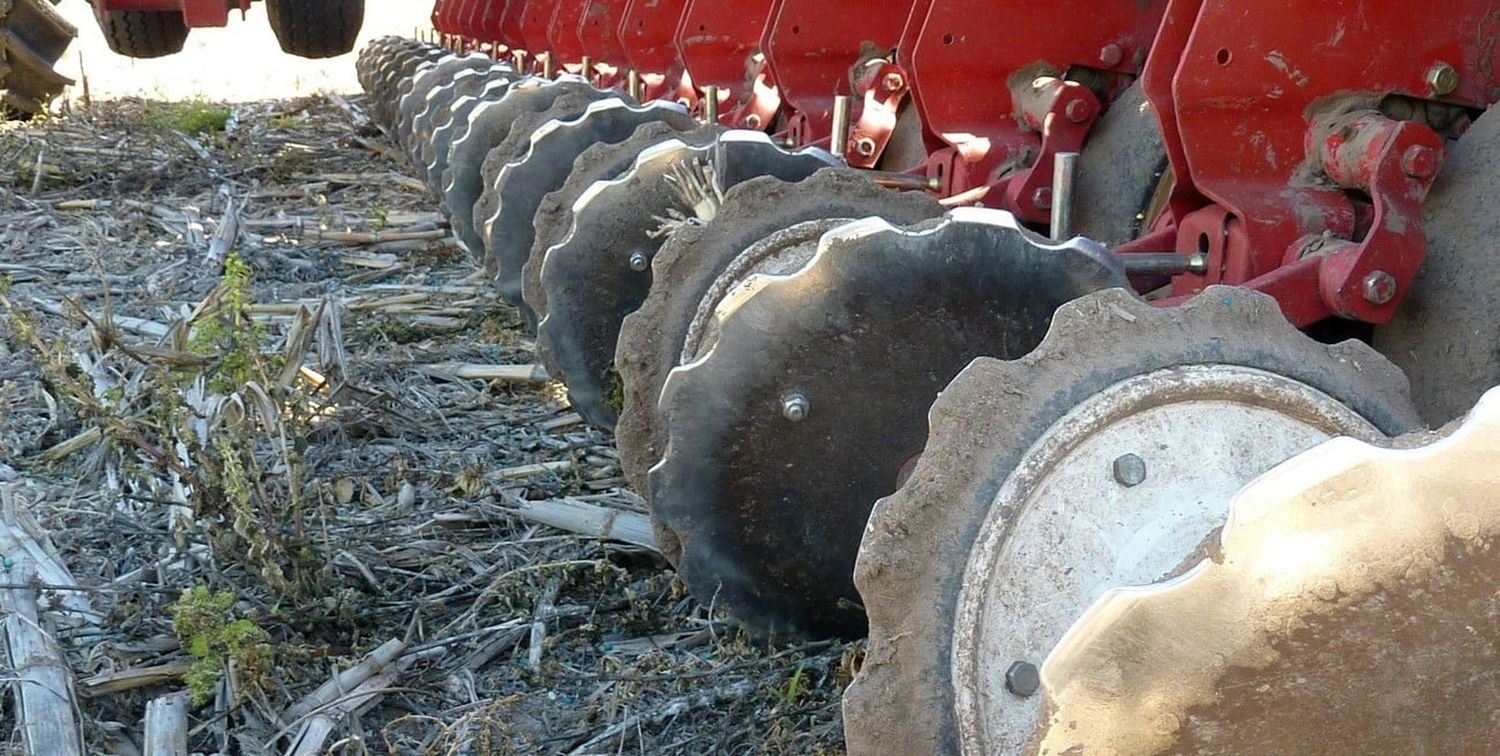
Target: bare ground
<point>277,413</point>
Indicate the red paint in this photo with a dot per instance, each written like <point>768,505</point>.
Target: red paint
<point>195,13</point>
<point>1286,175</point>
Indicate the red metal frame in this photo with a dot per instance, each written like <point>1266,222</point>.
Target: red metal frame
<point>599,35</point>
<point>648,39</point>
<point>1288,177</point>
<point>195,13</point>
<point>715,41</point>
<point>812,46</point>
<point>562,34</point>
<point>988,80</point>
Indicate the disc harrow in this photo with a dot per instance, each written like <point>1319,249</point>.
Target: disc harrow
<point>1016,457</point>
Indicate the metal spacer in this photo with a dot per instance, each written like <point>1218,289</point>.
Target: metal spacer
<point>1379,287</point>
<point>1130,470</point>
<point>1023,679</point>
<point>795,407</point>
<point>1442,79</point>
<point>639,262</point>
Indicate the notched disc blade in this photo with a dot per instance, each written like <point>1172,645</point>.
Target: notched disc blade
<point>489,126</point>
<point>457,124</point>
<point>604,161</point>
<point>428,81</point>
<point>589,282</point>
<point>769,510</point>
<point>651,338</point>
<point>545,167</point>
<point>575,98</point>
<point>439,110</point>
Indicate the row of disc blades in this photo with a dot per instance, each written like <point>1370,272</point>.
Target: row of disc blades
<point>853,410</point>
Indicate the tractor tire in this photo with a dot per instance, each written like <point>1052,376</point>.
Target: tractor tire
<point>144,34</point>
<point>32,38</point>
<point>316,28</point>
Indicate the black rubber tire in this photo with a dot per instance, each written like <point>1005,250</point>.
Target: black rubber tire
<point>35,36</point>
<point>1120,171</point>
<point>316,28</point>
<point>144,34</point>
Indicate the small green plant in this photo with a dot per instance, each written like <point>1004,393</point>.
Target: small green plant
<point>203,622</point>
<point>795,687</point>
<point>227,332</point>
<point>379,218</point>
<point>191,117</point>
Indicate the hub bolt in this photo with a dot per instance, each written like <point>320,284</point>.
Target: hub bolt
<point>1442,79</point>
<point>1023,679</point>
<point>865,146</point>
<point>795,407</point>
<point>1419,161</point>
<point>639,262</point>
<point>1379,287</point>
<point>1111,55</point>
<point>1130,470</point>
<point>893,81</point>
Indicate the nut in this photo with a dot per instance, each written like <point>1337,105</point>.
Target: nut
<point>865,146</point>
<point>1077,111</point>
<point>1042,198</point>
<point>1023,679</point>
<point>893,81</point>
<point>1379,287</point>
<point>1442,79</point>
<point>1111,55</point>
<point>1419,161</point>
<point>795,407</point>
<point>1130,470</point>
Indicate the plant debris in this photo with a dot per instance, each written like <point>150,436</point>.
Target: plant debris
<point>269,440</point>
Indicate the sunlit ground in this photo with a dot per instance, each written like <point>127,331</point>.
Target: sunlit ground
<point>237,63</point>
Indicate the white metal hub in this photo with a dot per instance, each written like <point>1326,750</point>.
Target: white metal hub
<point>1074,519</point>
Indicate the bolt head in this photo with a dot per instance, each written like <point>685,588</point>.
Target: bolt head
<point>1442,79</point>
<point>1023,679</point>
<point>639,261</point>
<point>1078,111</point>
<point>1420,161</point>
<point>795,407</point>
<point>1130,470</point>
<point>1111,55</point>
<point>1042,198</point>
<point>893,81</point>
<point>865,146</point>
<point>1379,287</point>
